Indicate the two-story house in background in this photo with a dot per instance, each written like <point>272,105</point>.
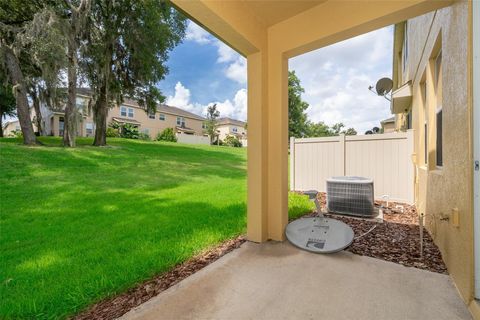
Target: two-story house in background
<point>232,127</point>
<point>182,121</point>
<point>129,112</point>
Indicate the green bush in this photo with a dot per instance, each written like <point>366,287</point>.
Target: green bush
<point>129,131</point>
<point>144,136</point>
<point>232,141</point>
<point>16,134</point>
<point>218,142</point>
<point>112,133</point>
<point>167,135</point>
<point>125,130</point>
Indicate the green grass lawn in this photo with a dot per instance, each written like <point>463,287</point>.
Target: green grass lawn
<point>78,225</point>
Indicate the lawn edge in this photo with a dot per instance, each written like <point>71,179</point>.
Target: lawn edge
<point>115,307</point>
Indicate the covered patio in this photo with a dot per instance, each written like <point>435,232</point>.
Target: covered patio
<point>275,280</point>
<point>268,33</point>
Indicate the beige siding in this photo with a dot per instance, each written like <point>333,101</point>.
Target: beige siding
<point>440,190</point>
<point>385,158</point>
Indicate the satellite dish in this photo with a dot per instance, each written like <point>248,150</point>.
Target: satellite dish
<point>384,86</point>
<point>319,234</point>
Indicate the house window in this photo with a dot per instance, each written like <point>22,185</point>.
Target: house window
<point>439,111</point>
<point>80,103</point>
<point>439,150</point>
<point>123,111</point>
<point>234,129</point>
<point>146,131</point>
<point>151,115</point>
<point>409,119</point>
<point>425,151</point>
<point>161,117</point>
<point>181,121</point>
<point>130,112</point>
<point>405,47</point>
<point>89,129</point>
<point>423,91</point>
<point>204,125</point>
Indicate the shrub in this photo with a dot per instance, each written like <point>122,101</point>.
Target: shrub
<point>218,142</point>
<point>125,130</point>
<point>16,134</point>
<point>167,135</point>
<point>232,141</point>
<point>129,131</point>
<point>144,136</point>
<point>112,133</point>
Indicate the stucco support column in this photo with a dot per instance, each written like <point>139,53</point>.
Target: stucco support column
<point>277,144</point>
<point>257,148</point>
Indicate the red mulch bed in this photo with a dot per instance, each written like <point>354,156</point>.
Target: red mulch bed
<point>396,239</point>
<point>115,307</point>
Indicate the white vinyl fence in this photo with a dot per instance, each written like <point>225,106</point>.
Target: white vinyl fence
<point>192,139</point>
<point>385,158</point>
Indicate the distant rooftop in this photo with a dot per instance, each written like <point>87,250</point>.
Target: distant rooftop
<point>391,119</point>
<point>235,122</point>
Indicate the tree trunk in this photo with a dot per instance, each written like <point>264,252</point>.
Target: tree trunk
<point>100,117</point>
<point>70,121</point>
<point>36,107</point>
<point>1,125</point>
<point>16,76</point>
<point>102,104</point>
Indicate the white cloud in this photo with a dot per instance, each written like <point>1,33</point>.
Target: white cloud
<point>236,109</point>
<point>196,33</point>
<point>237,71</point>
<point>235,65</point>
<point>181,97</point>
<point>225,53</point>
<point>336,80</point>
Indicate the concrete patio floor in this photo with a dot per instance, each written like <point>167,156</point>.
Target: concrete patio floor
<point>277,281</point>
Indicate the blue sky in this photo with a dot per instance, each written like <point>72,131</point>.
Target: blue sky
<point>203,71</point>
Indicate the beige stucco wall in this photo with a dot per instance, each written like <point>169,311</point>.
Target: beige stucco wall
<point>441,190</point>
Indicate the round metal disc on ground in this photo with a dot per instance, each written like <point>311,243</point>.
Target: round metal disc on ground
<point>319,234</point>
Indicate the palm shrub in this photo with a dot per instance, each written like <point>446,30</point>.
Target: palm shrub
<point>167,135</point>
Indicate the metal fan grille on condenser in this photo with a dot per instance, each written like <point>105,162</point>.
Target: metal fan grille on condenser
<point>319,234</point>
